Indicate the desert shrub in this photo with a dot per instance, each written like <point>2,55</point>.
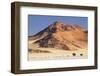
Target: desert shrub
<point>81,54</point>
<point>74,54</point>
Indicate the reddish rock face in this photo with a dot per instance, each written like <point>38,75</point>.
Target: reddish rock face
<point>62,36</point>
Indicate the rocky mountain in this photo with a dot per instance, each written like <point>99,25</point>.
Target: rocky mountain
<point>61,36</point>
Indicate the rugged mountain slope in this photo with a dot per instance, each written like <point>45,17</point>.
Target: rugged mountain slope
<point>61,36</point>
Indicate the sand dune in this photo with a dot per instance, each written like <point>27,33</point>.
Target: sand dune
<point>57,54</point>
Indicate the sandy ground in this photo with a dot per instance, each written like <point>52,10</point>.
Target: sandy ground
<point>55,54</point>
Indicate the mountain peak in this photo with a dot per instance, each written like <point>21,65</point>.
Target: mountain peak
<point>60,26</point>
<point>58,23</point>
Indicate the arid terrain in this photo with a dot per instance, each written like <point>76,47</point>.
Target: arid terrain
<point>58,41</point>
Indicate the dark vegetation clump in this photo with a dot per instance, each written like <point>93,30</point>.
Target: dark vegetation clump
<point>81,54</point>
<point>74,54</point>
